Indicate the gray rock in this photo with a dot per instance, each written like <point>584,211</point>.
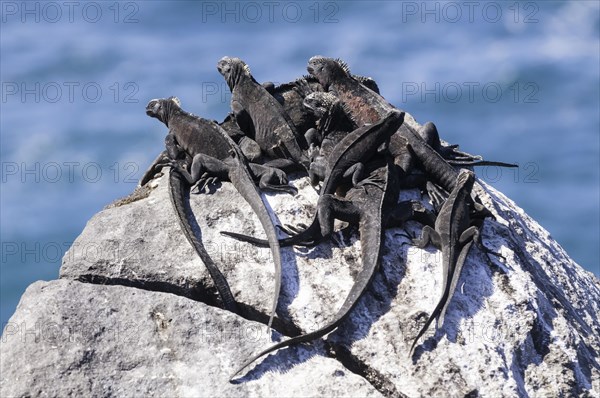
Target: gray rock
<point>523,325</point>
<point>69,338</point>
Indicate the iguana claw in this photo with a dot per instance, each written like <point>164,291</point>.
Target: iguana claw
<point>292,229</point>
<point>204,182</point>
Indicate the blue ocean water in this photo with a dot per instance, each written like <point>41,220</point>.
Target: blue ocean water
<point>514,81</point>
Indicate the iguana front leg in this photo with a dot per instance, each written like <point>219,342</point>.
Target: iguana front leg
<point>243,119</point>
<point>203,171</point>
<point>428,235</point>
<point>317,170</point>
<point>312,137</point>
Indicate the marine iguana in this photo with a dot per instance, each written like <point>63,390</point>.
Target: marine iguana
<point>346,160</point>
<point>454,235</point>
<point>367,106</point>
<point>331,116</point>
<point>450,153</point>
<point>213,150</point>
<point>332,125</point>
<point>260,116</point>
<point>368,204</point>
<point>291,95</point>
<point>248,146</point>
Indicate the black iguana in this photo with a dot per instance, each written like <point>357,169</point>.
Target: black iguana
<point>454,235</point>
<point>260,116</point>
<point>213,151</point>
<point>346,160</point>
<point>367,106</point>
<point>291,95</point>
<point>332,124</point>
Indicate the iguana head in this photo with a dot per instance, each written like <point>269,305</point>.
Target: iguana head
<point>161,108</point>
<point>320,103</point>
<point>326,70</point>
<point>233,69</point>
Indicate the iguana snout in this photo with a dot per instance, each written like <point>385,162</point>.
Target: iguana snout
<point>153,108</point>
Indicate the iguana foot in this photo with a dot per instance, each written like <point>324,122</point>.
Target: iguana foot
<point>280,188</point>
<point>204,182</point>
<point>295,230</point>
<point>292,229</point>
<point>178,166</point>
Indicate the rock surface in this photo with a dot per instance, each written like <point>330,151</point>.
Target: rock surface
<point>94,340</point>
<point>523,325</point>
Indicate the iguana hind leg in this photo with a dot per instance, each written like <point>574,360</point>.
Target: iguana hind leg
<point>428,235</point>
<point>155,168</point>
<point>204,170</point>
<point>357,171</point>
<point>271,178</point>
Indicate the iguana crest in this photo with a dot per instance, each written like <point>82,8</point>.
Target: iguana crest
<point>320,103</point>
<point>343,65</point>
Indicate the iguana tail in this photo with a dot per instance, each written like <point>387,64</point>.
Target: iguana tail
<point>371,239</point>
<point>242,181</point>
<point>308,237</point>
<point>370,258</point>
<point>450,284</point>
<point>480,163</point>
<point>179,193</point>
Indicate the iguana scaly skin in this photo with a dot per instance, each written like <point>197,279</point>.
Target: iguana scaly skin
<point>454,236</point>
<point>366,204</point>
<point>260,116</point>
<point>213,151</point>
<point>367,106</point>
<point>346,160</point>
<point>330,113</point>
<point>249,147</point>
<point>291,95</point>
<point>332,125</point>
